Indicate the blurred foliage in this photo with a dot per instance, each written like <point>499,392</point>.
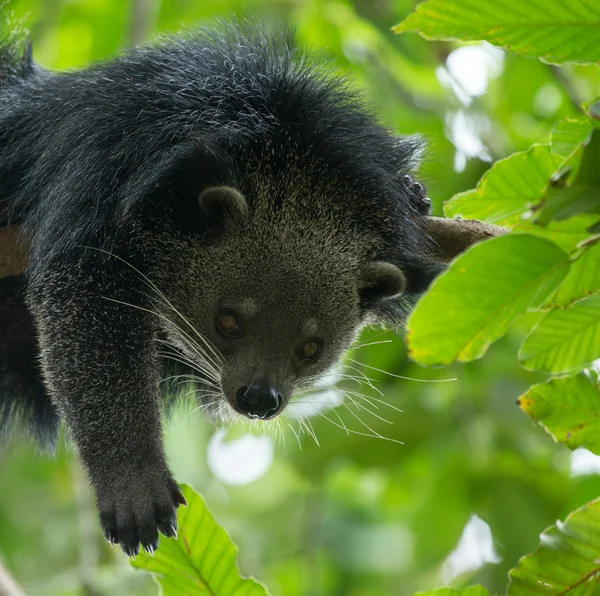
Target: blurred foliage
<point>354,515</point>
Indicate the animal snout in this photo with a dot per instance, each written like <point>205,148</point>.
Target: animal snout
<point>258,400</point>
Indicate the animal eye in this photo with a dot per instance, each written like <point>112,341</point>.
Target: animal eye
<point>309,351</point>
<point>228,325</point>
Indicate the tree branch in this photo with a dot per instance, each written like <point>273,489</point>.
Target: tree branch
<point>451,237</point>
<point>454,236</point>
<point>13,253</point>
<point>142,19</point>
<point>8,586</point>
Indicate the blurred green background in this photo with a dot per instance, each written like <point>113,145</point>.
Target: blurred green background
<point>473,482</point>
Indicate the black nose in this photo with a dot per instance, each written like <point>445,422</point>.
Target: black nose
<point>259,400</point>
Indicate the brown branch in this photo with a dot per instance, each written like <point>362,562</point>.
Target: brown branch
<point>142,20</point>
<point>451,237</point>
<point>454,236</point>
<point>8,586</point>
<point>13,254</point>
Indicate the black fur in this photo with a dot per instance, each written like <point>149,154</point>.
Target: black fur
<point>105,165</point>
<point>22,392</point>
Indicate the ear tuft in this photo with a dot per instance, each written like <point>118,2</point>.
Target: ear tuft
<point>223,205</point>
<point>381,280</point>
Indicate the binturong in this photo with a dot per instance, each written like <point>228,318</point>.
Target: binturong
<point>217,204</point>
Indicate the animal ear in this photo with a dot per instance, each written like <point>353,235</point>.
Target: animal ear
<point>223,205</point>
<point>381,280</point>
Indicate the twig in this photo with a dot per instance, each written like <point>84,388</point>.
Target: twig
<point>12,252</point>
<point>88,539</point>
<point>567,84</point>
<point>8,586</point>
<point>454,236</point>
<point>143,15</point>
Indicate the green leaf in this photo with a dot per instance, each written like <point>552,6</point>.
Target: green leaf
<point>567,563</point>
<point>555,31</point>
<point>564,340</point>
<point>582,281</point>
<point>472,591</point>
<point>569,134</point>
<point>509,188</point>
<point>483,291</point>
<point>567,408</point>
<point>202,559</point>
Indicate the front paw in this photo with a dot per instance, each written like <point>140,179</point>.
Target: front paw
<point>133,511</point>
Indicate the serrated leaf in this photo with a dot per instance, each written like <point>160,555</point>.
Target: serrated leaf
<point>201,561</point>
<point>567,408</point>
<point>480,295</point>
<point>472,591</point>
<point>509,188</point>
<point>555,31</point>
<point>567,563</point>
<point>564,340</point>
<point>569,134</point>
<point>582,281</point>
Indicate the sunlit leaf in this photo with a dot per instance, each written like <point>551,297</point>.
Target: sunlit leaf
<point>568,408</point>
<point>509,188</point>
<point>483,291</point>
<point>569,134</point>
<point>201,561</point>
<point>567,562</point>
<point>556,31</point>
<point>472,591</point>
<point>564,340</point>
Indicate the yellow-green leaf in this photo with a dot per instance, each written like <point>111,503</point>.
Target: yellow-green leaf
<point>480,295</point>
<point>567,408</point>
<point>472,591</point>
<point>564,340</point>
<point>202,561</point>
<point>554,30</point>
<point>509,188</point>
<point>567,562</point>
<point>569,134</point>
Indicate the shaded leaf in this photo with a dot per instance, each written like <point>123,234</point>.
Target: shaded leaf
<point>556,31</point>
<point>567,234</point>
<point>509,188</point>
<point>564,340</point>
<point>593,109</point>
<point>582,195</point>
<point>568,408</point>
<point>582,281</point>
<point>479,296</point>
<point>472,591</point>
<point>567,563</point>
<point>563,203</point>
<point>201,561</point>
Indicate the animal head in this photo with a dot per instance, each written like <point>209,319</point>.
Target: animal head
<point>277,286</point>
<point>286,223</point>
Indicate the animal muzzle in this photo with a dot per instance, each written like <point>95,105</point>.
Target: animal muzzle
<point>259,400</point>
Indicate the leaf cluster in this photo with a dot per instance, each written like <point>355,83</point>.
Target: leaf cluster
<point>549,198</point>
